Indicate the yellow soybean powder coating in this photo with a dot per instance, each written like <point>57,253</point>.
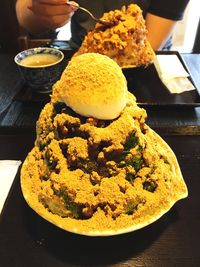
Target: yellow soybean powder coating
<point>99,177</point>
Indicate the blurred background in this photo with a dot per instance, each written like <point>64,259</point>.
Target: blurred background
<point>186,37</point>
<point>186,30</point>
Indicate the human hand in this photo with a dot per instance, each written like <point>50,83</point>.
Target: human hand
<point>53,14</point>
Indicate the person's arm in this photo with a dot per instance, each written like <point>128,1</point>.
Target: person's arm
<point>161,18</point>
<point>159,30</point>
<point>37,16</point>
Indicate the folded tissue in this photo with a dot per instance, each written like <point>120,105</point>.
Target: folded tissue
<point>8,170</point>
<point>173,74</point>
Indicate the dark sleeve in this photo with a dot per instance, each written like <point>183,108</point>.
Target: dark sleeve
<point>169,9</point>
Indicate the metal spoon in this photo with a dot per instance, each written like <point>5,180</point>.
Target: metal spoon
<point>101,21</point>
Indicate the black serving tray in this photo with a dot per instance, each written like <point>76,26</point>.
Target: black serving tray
<point>28,240</point>
<point>143,82</point>
<point>149,90</point>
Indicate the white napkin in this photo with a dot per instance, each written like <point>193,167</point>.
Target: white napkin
<point>8,170</point>
<point>173,74</point>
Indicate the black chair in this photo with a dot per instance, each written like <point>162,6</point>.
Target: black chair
<point>9,28</point>
<point>196,47</point>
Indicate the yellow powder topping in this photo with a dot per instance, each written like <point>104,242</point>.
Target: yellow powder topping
<point>92,176</point>
<point>125,42</point>
<point>93,85</point>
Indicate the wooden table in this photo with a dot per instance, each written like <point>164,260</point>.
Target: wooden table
<point>28,240</point>
<point>20,109</point>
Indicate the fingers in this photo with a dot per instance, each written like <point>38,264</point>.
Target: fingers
<point>51,2</point>
<point>53,13</point>
<point>45,10</point>
<point>73,4</point>
<point>51,7</point>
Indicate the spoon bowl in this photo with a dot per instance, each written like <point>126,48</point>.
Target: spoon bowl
<point>101,21</point>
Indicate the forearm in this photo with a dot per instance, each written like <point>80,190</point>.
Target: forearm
<point>159,30</point>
